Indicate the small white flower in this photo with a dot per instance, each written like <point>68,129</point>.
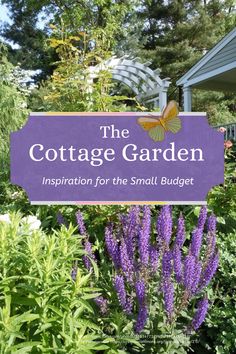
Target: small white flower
<point>32,221</point>
<point>5,218</point>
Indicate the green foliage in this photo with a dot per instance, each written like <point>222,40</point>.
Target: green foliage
<point>106,18</point>
<point>222,198</point>
<point>42,309</point>
<point>216,104</point>
<point>12,104</point>
<point>218,333</point>
<point>70,87</point>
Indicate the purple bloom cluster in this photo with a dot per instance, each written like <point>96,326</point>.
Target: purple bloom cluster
<point>153,257</point>
<point>141,319</point>
<point>102,303</point>
<point>140,288</point>
<point>168,292</point>
<point>167,264</point>
<point>211,234</point>
<point>134,258</point>
<point>164,225</point>
<point>180,235</point>
<point>196,241</point>
<point>189,264</point>
<point>119,284</point>
<point>200,314</point>
<point>137,260</point>
<point>80,222</point>
<point>86,259</point>
<point>126,262</point>
<point>144,236</point>
<point>132,230</point>
<point>74,272</point>
<point>211,223</point>
<point>202,218</point>
<point>177,262</point>
<point>209,271</point>
<point>112,247</point>
<point>167,284</point>
<point>140,291</point>
<point>87,244</point>
<point>60,219</point>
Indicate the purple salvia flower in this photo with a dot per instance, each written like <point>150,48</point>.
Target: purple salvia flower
<point>60,219</point>
<point>102,303</point>
<point>164,225</point>
<point>144,236</point>
<point>202,218</point>
<point>112,247</point>
<point>142,319</point>
<point>129,306</point>
<point>80,223</point>
<point>140,291</point>
<point>168,293</point>
<point>200,314</point>
<point>211,223</point>
<point>209,270</point>
<point>86,260</point>
<point>180,235</point>
<point>119,285</point>
<point>196,277</point>
<point>153,258</point>
<point>211,235</point>
<point>189,268</point>
<point>124,223</point>
<point>74,273</point>
<point>126,263</point>
<point>166,264</point>
<point>196,243</point>
<point>177,261</point>
<point>211,243</point>
<point>134,218</point>
<point>133,227</point>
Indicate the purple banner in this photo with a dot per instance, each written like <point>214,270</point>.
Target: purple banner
<point>116,158</point>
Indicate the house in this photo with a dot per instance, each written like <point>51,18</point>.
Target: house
<point>215,71</point>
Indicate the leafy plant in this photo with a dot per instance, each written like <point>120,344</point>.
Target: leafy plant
<point>42,309</point>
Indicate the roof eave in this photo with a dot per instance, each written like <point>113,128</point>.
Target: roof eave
<point>221,44</point>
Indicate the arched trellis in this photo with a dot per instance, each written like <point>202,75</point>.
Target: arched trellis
<point>142,80</point>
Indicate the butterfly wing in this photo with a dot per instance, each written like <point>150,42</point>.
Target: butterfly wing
<point>157,133</point>
<point>148,123</point>
<point>173,125</point>
<point>171,111</point>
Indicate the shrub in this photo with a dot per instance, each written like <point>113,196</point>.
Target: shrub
<point>42,309</point>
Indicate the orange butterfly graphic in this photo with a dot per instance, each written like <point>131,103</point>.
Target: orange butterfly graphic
<point>168,121</point>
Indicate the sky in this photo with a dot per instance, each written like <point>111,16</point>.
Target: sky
<point>4,14</point>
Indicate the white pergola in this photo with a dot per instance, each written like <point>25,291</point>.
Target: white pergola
<point>142,80</point>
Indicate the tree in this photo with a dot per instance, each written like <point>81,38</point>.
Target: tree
<point>177,33</point>
<point>13,109</point>
<point>89,16</point>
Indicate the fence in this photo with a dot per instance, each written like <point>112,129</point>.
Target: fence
<point>230,133</point>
